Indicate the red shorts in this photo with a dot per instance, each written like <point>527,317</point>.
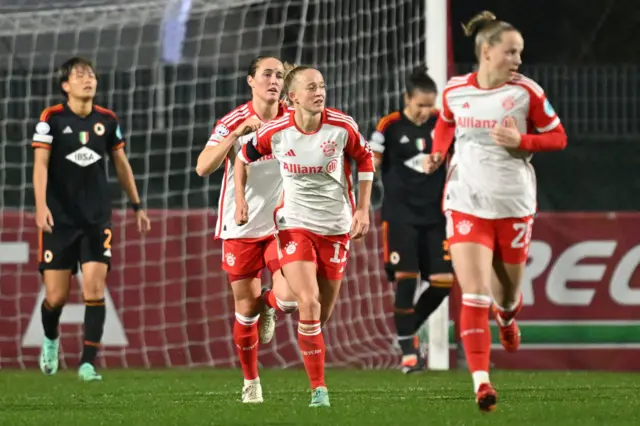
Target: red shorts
<point>247,257</point>
<point>509,238</point>
<point>328,252</point>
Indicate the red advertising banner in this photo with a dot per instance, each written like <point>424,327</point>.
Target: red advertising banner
<point>169,303</point>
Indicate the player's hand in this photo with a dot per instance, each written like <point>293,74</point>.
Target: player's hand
<point>143,222</point>
<point>506,134</point>
<point>360,224</point>
<point>242,212</point>
<point>44,219</point>
<point>431,162</point>
<point>249,125</point>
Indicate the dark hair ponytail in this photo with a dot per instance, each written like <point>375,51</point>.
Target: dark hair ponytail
<point>420,80</point>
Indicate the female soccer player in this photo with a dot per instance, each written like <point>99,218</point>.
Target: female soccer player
<point>247,250</point>
<point>314,146</point>
<point>73,207</point>
<point>490,194</point>
<point>414,227</point>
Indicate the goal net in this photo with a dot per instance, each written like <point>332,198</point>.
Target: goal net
<point>169,69</point>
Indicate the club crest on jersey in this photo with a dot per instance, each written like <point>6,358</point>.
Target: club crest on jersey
<point>548,109</point>
<point>328,148</point>
<point>421,144</point>
<point>508,103</point>
<point>230,259</point>
<point>99,129</point>
<point>83,137</point>
<point>332,166</point>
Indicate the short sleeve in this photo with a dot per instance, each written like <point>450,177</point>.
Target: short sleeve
<point>43,132</point>
<point>219,132</point>
<point>117,139</point>
<point>541,113</point>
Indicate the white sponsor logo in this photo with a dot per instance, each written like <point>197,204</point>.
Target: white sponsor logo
<point>83,157</point>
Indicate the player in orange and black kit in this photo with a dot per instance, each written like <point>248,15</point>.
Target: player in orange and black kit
<point>73,207</point>
<point>415,245</point>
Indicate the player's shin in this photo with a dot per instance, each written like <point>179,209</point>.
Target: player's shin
<point>313,350</point>
<point>476,336</point>
<point>404,316</point>
<point>245,337</point>
<point>51,319</point>
<point>430,299</point>
<point>94,317</point>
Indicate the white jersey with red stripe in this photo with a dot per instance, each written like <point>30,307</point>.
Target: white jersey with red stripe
<point>316,170</point>
<point>264,183</point>
<point>487,180</point>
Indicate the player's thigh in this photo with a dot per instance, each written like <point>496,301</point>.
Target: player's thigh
<point>242,258</point>
<point>59,250</point>
<point>96,244</point>
<point>513,237</point>
<point>333,255</point>
<point>434,255</point>
<point>400,248</point>
<point>329,292</point>
<point>471,243</point>
<point>299,264</point>
<point>246,295</point>
<point>512,251</point>
<point>57,283</point>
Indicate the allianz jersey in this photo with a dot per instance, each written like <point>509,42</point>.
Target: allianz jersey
<point>316,170</point>
<point>484,179</point>
<point>264,183</point>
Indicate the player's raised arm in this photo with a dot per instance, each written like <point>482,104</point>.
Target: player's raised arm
<point>358,149</point>
<point>126,178</point>
<point>253,150</point>
<point>220,143</point>
<point>442,137</point>
<point>42,141</point>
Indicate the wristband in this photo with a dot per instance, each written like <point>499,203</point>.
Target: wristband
<point>135,207</point>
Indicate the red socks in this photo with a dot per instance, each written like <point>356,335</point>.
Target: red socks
<point>474,331</point>
<point>272,301</point>
<point>245,336</point>
<point>313,351</point>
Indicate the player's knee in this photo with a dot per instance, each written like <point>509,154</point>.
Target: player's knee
<point>309,305</point>
<point>247,306</point>
<point>56,299</point>
<point>405,291</point>
<point>93,289</point>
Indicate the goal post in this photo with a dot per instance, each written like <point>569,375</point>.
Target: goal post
<point>437,54</point>
<point>169,301</point>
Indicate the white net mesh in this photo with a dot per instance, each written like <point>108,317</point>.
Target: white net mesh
<point>168,291</point>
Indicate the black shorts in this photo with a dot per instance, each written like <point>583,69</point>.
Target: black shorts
<point>419,249</point>
<point>65,248</point>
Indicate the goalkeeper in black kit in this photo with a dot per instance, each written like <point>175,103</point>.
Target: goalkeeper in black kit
<point>73,207</point>
<point>415,246</point>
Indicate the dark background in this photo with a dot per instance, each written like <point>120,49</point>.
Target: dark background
<point>585,55</point>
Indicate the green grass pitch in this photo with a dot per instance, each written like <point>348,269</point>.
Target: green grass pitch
<point>212,397</point>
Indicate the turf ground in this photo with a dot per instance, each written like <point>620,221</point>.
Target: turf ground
<point>211,397</point>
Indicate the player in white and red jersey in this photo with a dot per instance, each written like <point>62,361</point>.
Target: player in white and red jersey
<point>499,118</point>
<point>314,146</point>
<point>247,250</point>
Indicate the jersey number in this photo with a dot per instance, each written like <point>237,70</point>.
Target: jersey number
<point>523,238</point>
<point>107,239</point>
<point>336,253</point>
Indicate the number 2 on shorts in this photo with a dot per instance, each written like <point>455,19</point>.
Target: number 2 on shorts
<point>107,239</point>
<point>524,231</point>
